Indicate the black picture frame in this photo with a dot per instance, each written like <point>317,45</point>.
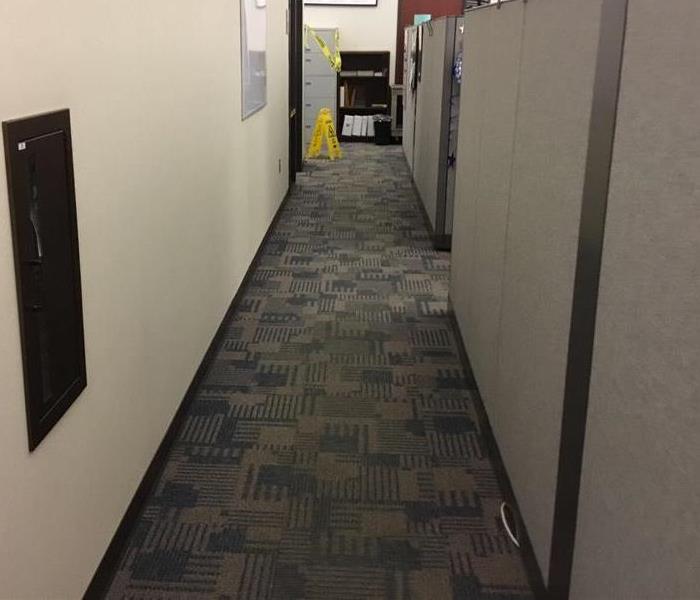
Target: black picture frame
<point>47,267</point>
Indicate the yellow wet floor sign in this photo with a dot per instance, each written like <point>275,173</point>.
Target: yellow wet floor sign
<point>324,129</point>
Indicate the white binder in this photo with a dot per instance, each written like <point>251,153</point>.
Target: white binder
<point>365,118</point>
<point>347,125</point>
<point>357,126</point>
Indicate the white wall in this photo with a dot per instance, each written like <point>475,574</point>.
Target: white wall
<point>174,194</point>
<point>361,27</point>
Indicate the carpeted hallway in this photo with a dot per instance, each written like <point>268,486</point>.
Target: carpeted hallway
<point>333,450</point>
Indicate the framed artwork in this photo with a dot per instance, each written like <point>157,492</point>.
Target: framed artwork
<point>341,2</point>
<point>253,57</point>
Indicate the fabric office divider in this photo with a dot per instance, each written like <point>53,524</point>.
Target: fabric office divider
<point>523,155</point>
<point>538,129</point>
<point>433,113</point>
<point>555,92</point>
<point>409,95</point>
<point>485,164</point>
<point>428,126</point>
<point>526,105</point>
<point>476,39</point>
<point>452,107</point>
<point>638,534</point>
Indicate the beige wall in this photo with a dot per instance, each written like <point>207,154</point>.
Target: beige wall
<point>174,195</point>
<point>361,27</point>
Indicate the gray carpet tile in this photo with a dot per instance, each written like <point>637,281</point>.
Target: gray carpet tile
<point>333,449</point>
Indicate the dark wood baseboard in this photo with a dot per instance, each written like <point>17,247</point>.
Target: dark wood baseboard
<point>102,579</point>
<point>534,574</point>
<point>442,242</point>
<point>421,208</point>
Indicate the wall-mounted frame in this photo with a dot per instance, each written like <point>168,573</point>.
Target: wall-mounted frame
<point>340,2</point>
<point>39,162</point>
<point>253,56</point>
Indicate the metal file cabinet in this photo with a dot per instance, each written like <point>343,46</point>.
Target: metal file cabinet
<point>320,82</point>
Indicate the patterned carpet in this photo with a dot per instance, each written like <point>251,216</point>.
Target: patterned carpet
<point>333,450</point>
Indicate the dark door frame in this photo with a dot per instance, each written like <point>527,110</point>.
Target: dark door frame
<point>295,30</point>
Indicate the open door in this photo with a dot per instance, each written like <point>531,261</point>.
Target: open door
<point>295,24</point>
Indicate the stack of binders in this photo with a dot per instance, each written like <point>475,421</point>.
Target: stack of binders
<point>358,126</point>
<point>348,125</point>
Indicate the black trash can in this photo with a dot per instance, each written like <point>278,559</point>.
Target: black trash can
<point>382,130</point>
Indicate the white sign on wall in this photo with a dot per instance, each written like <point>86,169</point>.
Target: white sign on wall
<point>253,59</point>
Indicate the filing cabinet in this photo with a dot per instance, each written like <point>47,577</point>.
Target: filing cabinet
<point>319,82</point>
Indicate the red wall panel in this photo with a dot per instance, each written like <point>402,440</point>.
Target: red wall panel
<point>409,8</point>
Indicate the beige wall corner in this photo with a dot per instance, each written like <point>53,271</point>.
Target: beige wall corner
<point>174,194</point>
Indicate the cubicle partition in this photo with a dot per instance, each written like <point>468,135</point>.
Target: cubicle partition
<point>638,533</point>
<point>410,81</point>
<point>537,135</point>
<point>436,110</point>
<point>521,165</point>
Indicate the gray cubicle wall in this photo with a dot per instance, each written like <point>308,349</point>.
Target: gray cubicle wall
<point>538,123</point>
<point>430,98</point>
<point>433,110</point>
<point>409,95</point>
<point>483,186</point>
<point>467,171</point>
<point>453,126</point>
<point>521,164</point>
<point>638,526</point>
<point>559,50</point>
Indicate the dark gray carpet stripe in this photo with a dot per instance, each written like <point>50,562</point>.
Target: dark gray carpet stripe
<point>333,450</point>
